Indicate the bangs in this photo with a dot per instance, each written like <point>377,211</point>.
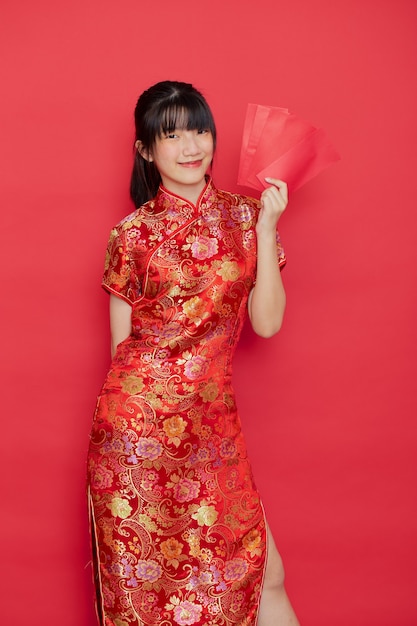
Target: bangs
<point>185,111</point>
<point>177,105</point>
<point>180,116</point>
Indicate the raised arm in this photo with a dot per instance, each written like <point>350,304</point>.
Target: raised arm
<point>266,303</point>
<point>120,321</point>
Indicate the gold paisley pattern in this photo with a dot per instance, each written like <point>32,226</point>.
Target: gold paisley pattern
<point>177,519</point>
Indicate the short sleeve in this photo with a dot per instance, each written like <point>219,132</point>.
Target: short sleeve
<point>117,277</point>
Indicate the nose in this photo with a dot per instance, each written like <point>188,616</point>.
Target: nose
<point>190,146</point>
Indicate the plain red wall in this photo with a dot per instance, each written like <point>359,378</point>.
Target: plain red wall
<point>329,405</point>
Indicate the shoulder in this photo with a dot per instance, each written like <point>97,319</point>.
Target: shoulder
<point>135,218</point>
<point>132,226</point>
<point>129,236</point>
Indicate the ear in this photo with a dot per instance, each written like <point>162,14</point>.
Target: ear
<point>143,151</point>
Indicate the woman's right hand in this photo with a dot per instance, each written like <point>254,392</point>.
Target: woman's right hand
<point>274,200</point>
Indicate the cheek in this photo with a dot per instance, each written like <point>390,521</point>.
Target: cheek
<point>208,146</point>
<point>163,154</point>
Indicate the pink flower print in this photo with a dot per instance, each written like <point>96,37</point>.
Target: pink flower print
<point>242,213</point>
<point>204,247</point>
<point>148,570</point>
<point>213,608</point>
<point>165,335</point>
<point>168,331</point>
<point>196,367</point>
<point>227,448</point>
<point>249,240</point>
<point>102,477</point>
<point>187,613</point>
<point>162,354</point>
<point>149,480</point>
<point>206,578</point>
<point>211,214</point>
<point>203,454</point>
<point>235,569</point>
<point>133,240</point>
<point>148,448</point>
<point>186,490</point>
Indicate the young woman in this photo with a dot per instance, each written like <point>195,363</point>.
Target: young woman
<point>179,533</point>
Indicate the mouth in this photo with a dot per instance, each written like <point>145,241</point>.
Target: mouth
<point>191,163</point>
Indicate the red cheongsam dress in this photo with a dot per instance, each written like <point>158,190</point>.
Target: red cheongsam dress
<point>178,528</point>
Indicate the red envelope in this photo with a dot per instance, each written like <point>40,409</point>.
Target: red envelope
<point>278,144</point>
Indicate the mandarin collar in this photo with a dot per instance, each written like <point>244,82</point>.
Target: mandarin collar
<point>164,193</point>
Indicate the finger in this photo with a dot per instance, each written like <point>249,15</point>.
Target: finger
<point>276,181</point>
<point>280,184</point>
<point>274,195</point>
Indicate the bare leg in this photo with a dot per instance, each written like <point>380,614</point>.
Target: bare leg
<point>275,608</point>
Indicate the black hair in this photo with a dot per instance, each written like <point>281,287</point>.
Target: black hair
<point>159,110</point>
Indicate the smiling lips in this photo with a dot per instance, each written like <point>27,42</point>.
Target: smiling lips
<point>192,163</point>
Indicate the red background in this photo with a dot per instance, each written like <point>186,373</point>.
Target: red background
<point>329,405</point>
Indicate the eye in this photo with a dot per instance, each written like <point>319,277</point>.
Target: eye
<point>203,131</point>
<point>171,135</point>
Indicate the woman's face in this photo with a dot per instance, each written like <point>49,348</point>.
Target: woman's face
<point>182,158</point>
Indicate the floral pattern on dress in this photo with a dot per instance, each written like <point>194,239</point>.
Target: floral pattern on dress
<point>180,528</point>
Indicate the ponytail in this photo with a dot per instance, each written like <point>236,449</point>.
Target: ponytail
<point>145,180</point>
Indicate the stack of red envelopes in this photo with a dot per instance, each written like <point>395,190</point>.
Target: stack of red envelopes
<point>278,144</point>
